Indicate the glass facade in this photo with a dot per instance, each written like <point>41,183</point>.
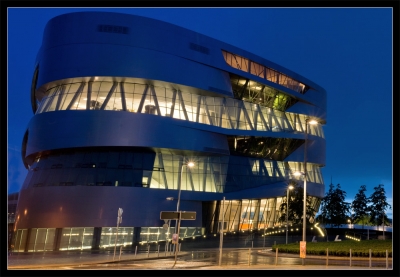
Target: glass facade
<point>76,238</point>
<point>110,238</point>
<point>253,114</point>
<point>236,216</point>
<point>264,72</point>
<point>45,239</point>
<point>253,214</point>
<point>156,234</point>
<point>20,240</point>
<point>41,239</point>
<point>133,168</point>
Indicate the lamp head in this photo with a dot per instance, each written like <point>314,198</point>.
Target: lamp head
<point>311,121</point>
<point>298,173</point>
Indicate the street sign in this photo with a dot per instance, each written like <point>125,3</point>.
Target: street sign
<point>175,238</point>
<point>119,218</point>
<point>175,215</point>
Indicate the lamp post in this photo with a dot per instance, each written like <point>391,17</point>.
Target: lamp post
<point>383,224</point>
<point>221,232</point>
<point>308,121</point>
<point>178,222</point>
<point>287,211</point>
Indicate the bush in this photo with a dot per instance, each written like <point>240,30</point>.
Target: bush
<point>358,248</point>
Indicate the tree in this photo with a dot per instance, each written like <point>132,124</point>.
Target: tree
<point>334,209</point>
<point>324,216</point>
<point>378,205</point>
<point>360,206</point>
<point>295,214</point>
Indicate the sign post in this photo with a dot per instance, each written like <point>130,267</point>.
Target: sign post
<point>221,232</point>
<point>119,220</point>
<point>175,238</point>
<point>178,216</point>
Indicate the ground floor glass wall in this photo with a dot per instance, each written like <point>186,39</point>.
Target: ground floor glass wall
<point>76,238</point>
<point>109,236</point>
<point>20,240</point>
<point>251,214</point>
<point>63,239</point>
<point>156,234</point>
<point>41,239</point>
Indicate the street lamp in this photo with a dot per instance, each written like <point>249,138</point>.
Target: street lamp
<point>178,222</point>
<point>383,224</point>
<point>287,210</point>
<point>312,122</point>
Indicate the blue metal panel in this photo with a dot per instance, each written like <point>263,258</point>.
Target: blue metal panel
<point>70,129</point>
<point>71,61</point>
<point>315,151</point>
<point>80,206</point>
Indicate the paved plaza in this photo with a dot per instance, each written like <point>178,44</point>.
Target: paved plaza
<point>153,261</point>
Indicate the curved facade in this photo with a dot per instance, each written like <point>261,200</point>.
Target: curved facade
<point>121,103</point>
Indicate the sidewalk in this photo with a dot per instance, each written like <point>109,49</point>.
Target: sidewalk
<point>65,258</point>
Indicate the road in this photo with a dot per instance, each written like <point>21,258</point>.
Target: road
<point>232,258</point>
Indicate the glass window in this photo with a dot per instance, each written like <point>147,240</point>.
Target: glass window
<point>215,111</point>
<point>109,234</point>
<point>236,61</point>
<point>50,236</point>
<point>20,241</point>
<point>32,240</point>
<point>87,238</point>
<point>40,239</point>
<point>65,237</point>
<point>257,69</point>
<point>272,75</point>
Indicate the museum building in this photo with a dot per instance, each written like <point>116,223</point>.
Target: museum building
<point>135,113</point>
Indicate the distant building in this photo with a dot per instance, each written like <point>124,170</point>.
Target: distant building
<point>11,210</point>
<point>122,103</point>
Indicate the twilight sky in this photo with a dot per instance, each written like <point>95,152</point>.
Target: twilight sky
<point>347,51</point>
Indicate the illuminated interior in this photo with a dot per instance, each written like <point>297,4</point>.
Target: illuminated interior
<point>227,113</point>
<point>264,72</point>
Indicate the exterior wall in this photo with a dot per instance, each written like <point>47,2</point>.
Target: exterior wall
<point>71,129</point>
<point>80,206</point>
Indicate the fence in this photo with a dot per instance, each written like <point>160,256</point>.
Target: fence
<point>249,249</point>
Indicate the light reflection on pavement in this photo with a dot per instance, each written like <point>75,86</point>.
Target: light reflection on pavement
<point>200,259</point>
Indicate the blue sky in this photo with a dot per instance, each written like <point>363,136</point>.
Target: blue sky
<point>347,51</point>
